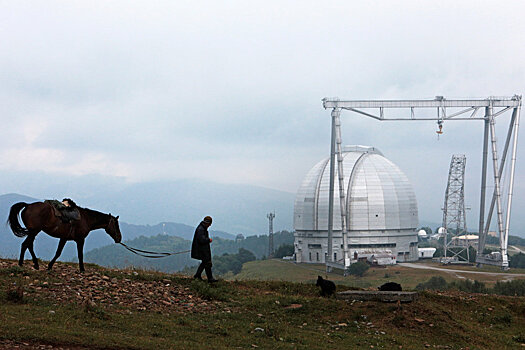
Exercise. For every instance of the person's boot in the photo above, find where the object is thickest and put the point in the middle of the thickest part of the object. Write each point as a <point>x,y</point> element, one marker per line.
<point>210,275</point>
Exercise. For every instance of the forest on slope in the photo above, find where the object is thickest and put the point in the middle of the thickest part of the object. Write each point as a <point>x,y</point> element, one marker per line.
<point>117,256</point>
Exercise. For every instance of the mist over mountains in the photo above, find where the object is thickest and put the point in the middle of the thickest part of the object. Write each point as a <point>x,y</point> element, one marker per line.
<point>234,208</point>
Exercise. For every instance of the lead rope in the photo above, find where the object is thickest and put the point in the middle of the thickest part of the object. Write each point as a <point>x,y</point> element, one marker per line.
<point>153,255</point>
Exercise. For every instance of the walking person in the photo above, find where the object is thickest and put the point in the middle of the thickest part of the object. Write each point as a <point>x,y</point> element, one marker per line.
<point>200,249</point>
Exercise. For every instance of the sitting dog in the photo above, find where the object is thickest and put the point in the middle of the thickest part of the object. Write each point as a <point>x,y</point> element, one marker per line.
<point>390,287</point>
<point>327,287</point>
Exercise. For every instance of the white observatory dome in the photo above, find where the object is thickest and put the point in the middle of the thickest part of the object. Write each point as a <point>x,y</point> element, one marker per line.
<point>378,194</point>
<point>422,233</point>
<point>381,206</point>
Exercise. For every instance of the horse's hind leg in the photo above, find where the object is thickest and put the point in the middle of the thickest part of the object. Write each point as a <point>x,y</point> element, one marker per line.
<point>61,245</point>
<point>28,244</point>
<point>80,252</point>
<point>23,252</point>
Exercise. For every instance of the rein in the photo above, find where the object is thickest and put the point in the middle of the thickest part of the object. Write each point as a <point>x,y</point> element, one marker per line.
<point>153,255</point>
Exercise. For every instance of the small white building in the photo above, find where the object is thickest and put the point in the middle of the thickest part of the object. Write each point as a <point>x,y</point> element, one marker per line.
<point>426,253</point>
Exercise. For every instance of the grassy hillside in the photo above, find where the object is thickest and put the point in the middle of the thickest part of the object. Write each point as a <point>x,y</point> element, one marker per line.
<point>409,278</point>
<point>127,309</point>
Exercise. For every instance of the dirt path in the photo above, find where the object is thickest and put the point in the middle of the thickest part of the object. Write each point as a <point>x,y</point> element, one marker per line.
<point>504,275</point>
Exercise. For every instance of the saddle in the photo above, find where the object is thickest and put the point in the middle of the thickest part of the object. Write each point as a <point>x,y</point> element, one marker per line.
<point>66,214</point>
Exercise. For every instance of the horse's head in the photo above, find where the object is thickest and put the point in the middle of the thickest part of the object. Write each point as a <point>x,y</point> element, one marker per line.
<point>113,229</point>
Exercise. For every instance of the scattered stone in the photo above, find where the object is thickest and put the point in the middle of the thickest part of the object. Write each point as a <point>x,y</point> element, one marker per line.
<point>96,286</point>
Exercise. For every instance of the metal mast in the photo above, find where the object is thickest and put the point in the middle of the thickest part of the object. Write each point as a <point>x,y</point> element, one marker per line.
<point>336,150</point>
<point>270,217</point>
<point>457,109</point>
<point>454,221</point>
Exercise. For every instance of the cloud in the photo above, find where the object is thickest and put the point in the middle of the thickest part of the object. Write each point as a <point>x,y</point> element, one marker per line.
<point>231,92</point>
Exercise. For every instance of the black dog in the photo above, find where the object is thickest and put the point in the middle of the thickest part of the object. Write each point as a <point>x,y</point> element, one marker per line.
<point>327,287</point>
<point>390,287</point>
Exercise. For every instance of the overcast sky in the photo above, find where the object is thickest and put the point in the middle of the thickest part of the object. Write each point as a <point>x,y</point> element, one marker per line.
<point>230,91</point>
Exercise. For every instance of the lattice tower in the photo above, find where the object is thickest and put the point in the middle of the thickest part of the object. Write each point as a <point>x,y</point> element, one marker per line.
<point>454,220</point>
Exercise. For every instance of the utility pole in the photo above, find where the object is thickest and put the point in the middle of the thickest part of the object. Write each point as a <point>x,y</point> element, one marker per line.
<point>270,217</point>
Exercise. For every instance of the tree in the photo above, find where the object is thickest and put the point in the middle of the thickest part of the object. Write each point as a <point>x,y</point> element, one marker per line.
<point>358,269</point>
<point>244,255</point>
<point>232,262</point>
<point>517,261</point>
<point>284,250</point>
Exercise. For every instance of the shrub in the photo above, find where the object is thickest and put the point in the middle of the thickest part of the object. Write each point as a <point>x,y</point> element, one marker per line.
<point>434,283</point>
<point>515,287</point>
<point>358,269</point>
<point>468,286</point>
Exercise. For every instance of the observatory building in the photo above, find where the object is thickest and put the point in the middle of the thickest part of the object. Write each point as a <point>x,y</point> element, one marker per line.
<point>382,215</point>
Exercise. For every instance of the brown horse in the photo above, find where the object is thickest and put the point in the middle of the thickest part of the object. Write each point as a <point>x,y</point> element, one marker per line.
<point>39,216</point>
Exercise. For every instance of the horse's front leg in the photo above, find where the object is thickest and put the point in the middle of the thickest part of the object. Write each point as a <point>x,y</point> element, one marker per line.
<point>61,245</point>
<point>80,253</point>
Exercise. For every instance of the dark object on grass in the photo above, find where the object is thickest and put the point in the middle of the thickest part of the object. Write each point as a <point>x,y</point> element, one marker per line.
<point>390,287</point>
<point>327,287</point>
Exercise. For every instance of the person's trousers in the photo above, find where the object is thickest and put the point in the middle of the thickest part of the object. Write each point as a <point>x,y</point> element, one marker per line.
<point>206,266</point>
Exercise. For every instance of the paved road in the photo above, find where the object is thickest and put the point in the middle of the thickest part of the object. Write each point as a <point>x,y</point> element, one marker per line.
<point>498,274</point>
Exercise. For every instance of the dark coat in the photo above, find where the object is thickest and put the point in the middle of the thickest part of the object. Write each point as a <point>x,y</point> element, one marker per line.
<point>200,247</point>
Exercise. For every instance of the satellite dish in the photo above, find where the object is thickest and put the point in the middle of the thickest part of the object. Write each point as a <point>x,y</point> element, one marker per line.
<point>422,233</point>
<point>442,230</point>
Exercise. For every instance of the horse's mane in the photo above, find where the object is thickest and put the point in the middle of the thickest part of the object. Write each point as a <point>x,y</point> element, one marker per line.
<point>93,212</point>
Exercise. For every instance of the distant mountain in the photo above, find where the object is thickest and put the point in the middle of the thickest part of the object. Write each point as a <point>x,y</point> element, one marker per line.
<point>130,231</point>
<point>234,208</point>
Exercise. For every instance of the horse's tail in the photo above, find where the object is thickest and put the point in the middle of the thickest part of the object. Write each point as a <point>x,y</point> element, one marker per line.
<point>13,221</point>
